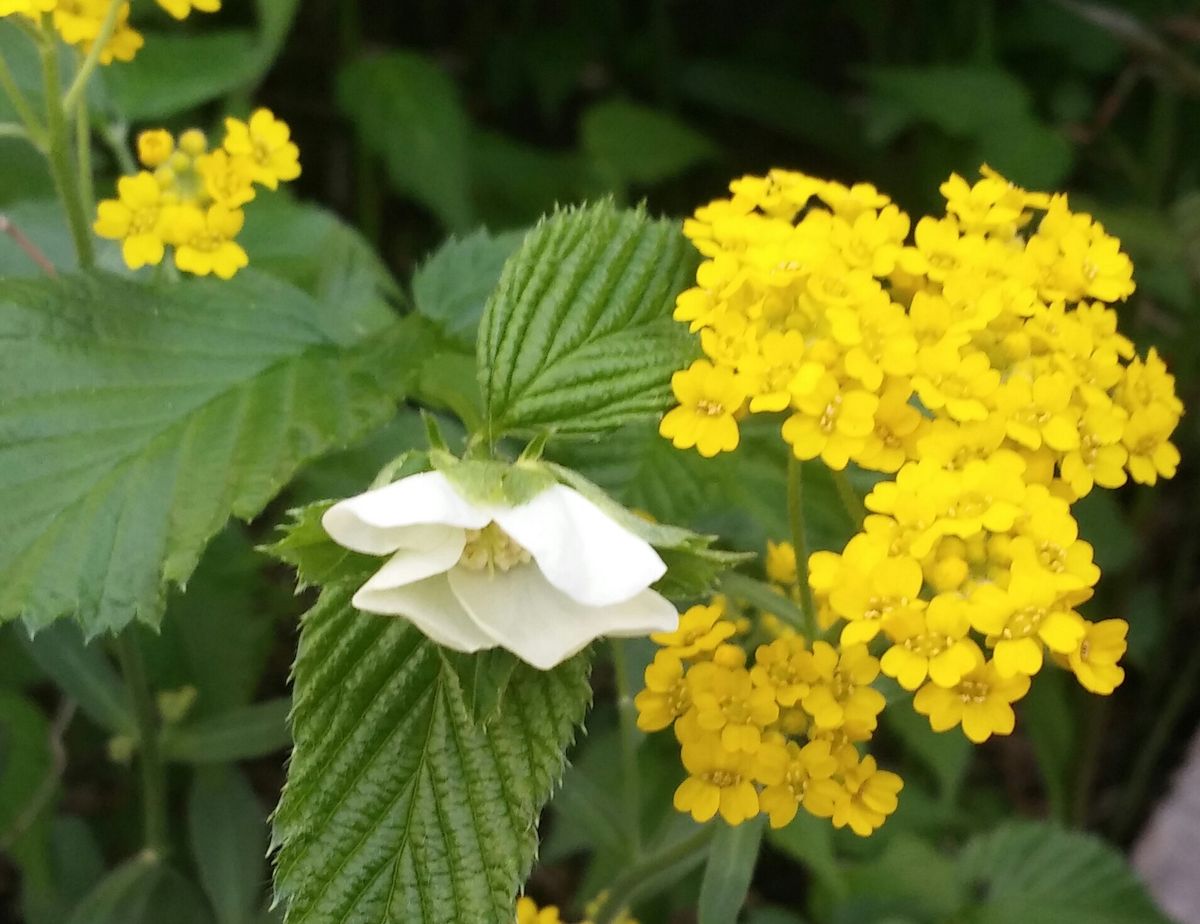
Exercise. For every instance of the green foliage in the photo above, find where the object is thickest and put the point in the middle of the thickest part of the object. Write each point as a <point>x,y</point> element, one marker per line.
<point>730,867</point>
<point>257,384</point>
<point>237,734</point>
<point>1030,873</point>
<point>84,672</point>
<point>638,145</point>
<point>398,806</point>
<point>228,833</point>
<point>407,111</point>
<point>578,336</point>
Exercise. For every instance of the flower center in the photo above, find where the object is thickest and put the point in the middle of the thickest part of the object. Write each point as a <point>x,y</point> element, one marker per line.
<point>492,549</point>
<point>710,408</point>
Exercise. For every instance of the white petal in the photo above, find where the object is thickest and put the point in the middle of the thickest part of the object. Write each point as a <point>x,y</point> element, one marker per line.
<point>410,565</point>
<point>540,624</point>
<point>432,608</point>
<point>582,551</point>
<point>392,517</point>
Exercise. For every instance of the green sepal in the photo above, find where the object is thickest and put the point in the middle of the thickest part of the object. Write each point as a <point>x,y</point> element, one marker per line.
<point>491,482</point>
<point>318,560</point>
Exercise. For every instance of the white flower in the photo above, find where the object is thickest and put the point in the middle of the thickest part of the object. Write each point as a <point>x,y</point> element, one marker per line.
<point>542,579</point>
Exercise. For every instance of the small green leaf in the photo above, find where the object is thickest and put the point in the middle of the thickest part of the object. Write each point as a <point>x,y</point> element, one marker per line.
<point>730,868</point>
<point>487,482</point>
<point>239,734</point>
<point>636,144</point>
<point>85,673</point>
<point>452,286</point>
<point>947,756</point>
<point>319,560</point>
<point>228,832</point>
<point>138,419</point>
<point>578,336</point>
<point>1037,873</point>
<point>809,841</point>
<point>398,808</point>
<point>408,112</point>
<point>25,762</point>
<point>142,890</point>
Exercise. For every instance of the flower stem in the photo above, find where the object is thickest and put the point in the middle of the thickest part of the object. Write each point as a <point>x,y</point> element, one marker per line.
<point>627,715</point>
<point>849,498</point>
<point>795,506</point>
<point>31,249</point>
<point>83,153</point>
<point>154,778</point>
<point>640,878</point>
<point>79,84</point>
<point>33,128</point>
<point>59,153</point>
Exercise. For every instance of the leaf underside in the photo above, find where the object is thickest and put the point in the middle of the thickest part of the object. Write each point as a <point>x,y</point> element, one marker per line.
<point>398,807</point>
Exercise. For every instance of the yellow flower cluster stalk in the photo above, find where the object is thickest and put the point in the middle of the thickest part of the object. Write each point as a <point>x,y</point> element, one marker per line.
<point>191,198</point>
<point>976,361</point>
<point>771,736</point>
<point>83,22</point>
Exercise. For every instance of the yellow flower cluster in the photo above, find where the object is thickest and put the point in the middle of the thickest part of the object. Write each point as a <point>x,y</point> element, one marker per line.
<point>986,329</point>
<point>191,198</point>
<point>528,912</point>
<point>772,736</point>
<point>81,22</point>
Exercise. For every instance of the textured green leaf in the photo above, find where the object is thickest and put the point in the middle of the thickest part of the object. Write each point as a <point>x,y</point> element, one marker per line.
<point>136,420</point>
<point>85,673</point>
<point>1035,873</point>
<point>730,867</point>
<point>482,678</point>
<point>397,807</point>
<point>637,144</point>
<point>578,336</point>
<point>239,734</point>
<point>319,560</point>
<point>408,112</point>
<point>451,287</point>
<point>228,832</point>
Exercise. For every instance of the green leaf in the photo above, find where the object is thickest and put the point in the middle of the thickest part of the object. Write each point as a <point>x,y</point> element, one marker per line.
<point>397,807</point>
<point>142,890</point>
<point>239,734</point>
<point>482,679</point>
<point>315,251</point>
<point>1052,727</point>
<point>74,864</point>
<point>451,287</point>
<point>137,419</point>
<point>85,673</point>
<point>164,78</point>
<point>228,832</point>
<point>1036,873</point>
<point>911,879</point>
<point>319,560</point>
<point>730,868</point>
<point>408,112</point>
<point>636,144</point>
<point>578,336</point>
<point>25,763</point>
<point>45,224</point>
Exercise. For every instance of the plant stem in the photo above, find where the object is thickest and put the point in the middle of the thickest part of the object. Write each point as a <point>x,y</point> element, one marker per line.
<point>629,886</point>
<point>627,715</point>
<point>154,778</point>
<point>795,506</point>
<point>79,84</point>
<point>59,153</point>
<point>83,152</point>
<point>31,249</point>
<point>849,498</point>
<point>33,128</point>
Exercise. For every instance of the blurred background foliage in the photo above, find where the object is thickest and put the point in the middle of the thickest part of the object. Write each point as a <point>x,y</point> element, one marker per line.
<point>430,119</point>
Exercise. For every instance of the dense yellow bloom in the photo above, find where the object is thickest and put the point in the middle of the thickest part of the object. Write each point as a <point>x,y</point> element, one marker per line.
<point>135,218</point>
<point>78,22</point>
<point>727,703</point>
<point>1095,659</point>
<point>981,702</point>
<point>28,7</point>
<point>870,795</point>
<point>781,563</point>
<point>718,781</point>
<point>181,8</point>
<point>709,397</point>
<point>840,694</point>
<point>266,142</point>
<point>1019,620</point>
<point>701,629</point>
<point>797,776</point>
<point>932,643</point>
<point>665,696</point>
<point>529,913</point>
<point>192,201</point>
